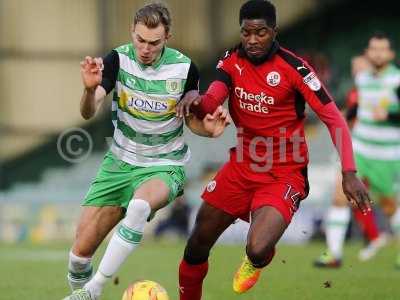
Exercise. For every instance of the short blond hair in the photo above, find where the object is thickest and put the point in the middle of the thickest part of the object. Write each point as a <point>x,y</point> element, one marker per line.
<point>152,15</point>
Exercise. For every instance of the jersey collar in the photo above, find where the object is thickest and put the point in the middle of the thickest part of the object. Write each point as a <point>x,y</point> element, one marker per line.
<point>156,65</point>
<point>271,53</point>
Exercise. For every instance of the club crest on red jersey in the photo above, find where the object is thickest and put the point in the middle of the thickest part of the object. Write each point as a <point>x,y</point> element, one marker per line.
<point>273,78</point>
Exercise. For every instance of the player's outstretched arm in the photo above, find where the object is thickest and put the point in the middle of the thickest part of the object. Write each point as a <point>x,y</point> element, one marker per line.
<point>212,125</point>
<point>323,105</point>
<point>93,95</point>
<point>353,188</point>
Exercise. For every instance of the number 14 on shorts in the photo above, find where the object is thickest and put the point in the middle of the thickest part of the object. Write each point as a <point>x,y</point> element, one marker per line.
<point>293,197</point>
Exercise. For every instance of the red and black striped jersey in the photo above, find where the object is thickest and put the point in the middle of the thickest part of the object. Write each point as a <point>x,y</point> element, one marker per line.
<point>267,104</point>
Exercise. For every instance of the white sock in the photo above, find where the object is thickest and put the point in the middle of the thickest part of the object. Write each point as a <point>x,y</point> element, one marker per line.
<point>124,240</point>
<point>79,271</point>
<point>395,223</point>
<point>336,223</point>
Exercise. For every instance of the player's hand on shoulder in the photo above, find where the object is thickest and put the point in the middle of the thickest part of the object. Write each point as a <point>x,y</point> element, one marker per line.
<point>215,124</point>
<point>91,71</point>
<point>356,192</point>
<point>183,107</point>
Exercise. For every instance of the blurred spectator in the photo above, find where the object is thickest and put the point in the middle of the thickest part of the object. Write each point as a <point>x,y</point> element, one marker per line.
<point>177,221</point>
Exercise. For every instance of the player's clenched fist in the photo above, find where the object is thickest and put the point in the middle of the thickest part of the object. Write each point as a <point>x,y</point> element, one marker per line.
<point>91,71</point>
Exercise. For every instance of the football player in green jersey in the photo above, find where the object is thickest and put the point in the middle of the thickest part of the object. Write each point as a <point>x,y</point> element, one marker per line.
<point>143,171</point>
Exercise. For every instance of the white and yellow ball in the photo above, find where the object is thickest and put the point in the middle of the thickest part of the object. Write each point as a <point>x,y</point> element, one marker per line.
<point>145,290</point>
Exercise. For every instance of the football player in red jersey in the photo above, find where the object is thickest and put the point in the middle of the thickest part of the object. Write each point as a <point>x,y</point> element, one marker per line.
<point>266,176</point>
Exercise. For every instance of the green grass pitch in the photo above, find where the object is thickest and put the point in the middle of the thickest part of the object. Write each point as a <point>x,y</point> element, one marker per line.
<point>38,272</point>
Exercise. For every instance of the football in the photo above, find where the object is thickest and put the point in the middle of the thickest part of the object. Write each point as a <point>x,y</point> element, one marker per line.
<point>145,290</point>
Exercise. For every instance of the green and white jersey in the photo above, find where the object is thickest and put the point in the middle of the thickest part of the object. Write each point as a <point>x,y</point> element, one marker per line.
<point>377,139</point>
<point>147,132</point>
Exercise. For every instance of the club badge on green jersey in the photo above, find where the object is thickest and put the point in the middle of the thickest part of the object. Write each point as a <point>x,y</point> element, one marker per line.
<point>173,86</point>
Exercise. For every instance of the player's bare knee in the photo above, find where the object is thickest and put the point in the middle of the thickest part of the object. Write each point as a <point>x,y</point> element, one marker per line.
<point>155,192</point>
<point>259,253</point>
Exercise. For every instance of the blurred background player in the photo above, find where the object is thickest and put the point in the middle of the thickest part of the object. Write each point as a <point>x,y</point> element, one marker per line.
<point>376,133</point>
<point>267,87</point>
<point>143,171</point>
<point>373,107</point>
<point>338,215</point>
